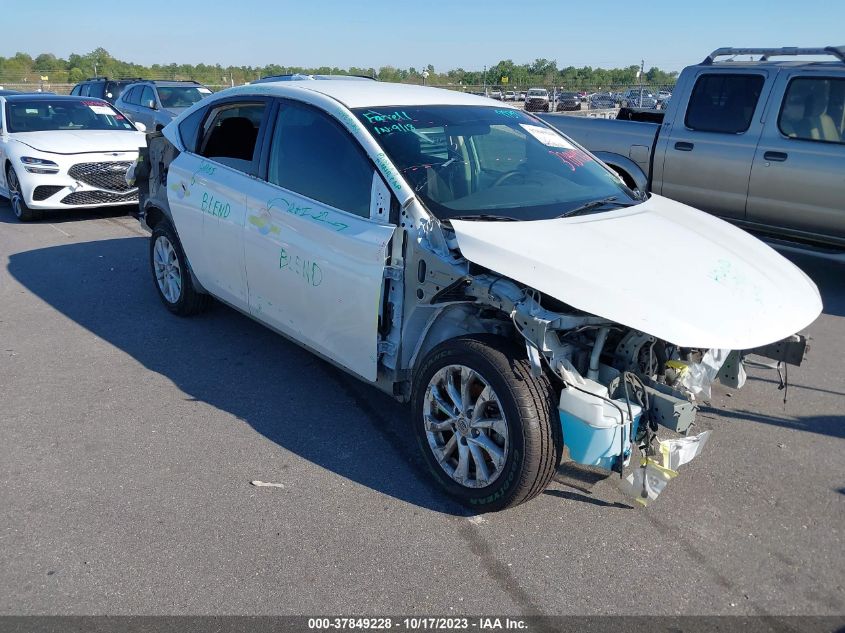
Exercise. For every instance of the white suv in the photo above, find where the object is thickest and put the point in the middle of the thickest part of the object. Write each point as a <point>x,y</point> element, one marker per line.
<point>459,254</point>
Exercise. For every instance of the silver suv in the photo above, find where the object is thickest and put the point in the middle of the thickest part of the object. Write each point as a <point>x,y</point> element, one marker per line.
<point>156,103</point>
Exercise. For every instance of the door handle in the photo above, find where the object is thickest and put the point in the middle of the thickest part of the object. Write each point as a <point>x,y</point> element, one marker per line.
<point>684,146</point>
<point>776,156</point>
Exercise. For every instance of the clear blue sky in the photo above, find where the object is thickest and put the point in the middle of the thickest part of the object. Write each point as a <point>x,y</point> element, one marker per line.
<point>454,34</point>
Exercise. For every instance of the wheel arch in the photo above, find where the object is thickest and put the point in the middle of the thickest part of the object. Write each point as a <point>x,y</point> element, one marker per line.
<point>453,321</point>
<point>628,170</point>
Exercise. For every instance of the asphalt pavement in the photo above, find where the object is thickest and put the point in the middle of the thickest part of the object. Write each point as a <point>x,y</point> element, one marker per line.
<point>130,437</point>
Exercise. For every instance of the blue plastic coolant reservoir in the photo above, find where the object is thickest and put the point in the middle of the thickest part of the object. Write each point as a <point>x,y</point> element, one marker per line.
<point>593,430</point>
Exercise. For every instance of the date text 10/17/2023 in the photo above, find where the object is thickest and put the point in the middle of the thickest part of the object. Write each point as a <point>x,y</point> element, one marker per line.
<point>419,623</point>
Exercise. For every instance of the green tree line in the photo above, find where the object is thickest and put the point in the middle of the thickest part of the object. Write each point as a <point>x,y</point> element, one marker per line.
<point>23,68</point>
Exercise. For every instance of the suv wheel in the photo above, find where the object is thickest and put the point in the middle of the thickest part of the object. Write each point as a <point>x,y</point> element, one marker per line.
<point>170,273</point>
<point>487,427</point>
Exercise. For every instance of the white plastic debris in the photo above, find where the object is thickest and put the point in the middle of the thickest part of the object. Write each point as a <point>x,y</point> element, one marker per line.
<point>646,482</point>
<point>683,450</point>
<point>264,484</point>
<point>699,376</point>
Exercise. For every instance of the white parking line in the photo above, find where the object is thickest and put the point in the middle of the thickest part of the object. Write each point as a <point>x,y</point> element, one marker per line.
<point>60,231</point>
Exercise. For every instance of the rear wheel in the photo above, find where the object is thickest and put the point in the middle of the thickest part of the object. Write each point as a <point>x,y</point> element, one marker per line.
<point>19,208</point>
<point>485,424</point>
<point>171,275</point>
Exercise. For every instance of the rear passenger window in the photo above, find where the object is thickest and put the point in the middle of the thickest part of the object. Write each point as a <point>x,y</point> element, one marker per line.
<point>189,129</point>
<point>85,90</point>
<point>723,103</point>
<point>134,96</point>
<point>814,110</point>
<point>311,154</point>
<point>230,134</point>
<point>75,90</point>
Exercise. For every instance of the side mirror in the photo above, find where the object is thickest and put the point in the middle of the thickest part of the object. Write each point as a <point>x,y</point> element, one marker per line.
<point>140,126</point>
<point>151,105</point>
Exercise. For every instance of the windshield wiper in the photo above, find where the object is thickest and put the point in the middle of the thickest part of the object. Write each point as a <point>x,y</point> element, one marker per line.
<point>483,216</point>
<point>595,204</point>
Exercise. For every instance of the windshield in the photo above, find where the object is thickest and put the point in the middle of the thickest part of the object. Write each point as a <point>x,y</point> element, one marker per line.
<point>482,161</point>
<point>537,93</point>
<point>63,114</point>
<point>180,96</point>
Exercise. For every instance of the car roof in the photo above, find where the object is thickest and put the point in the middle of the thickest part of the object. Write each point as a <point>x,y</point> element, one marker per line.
<point>776,63</point>
<point>49,96</point>
<point>164,82</point>
<point>367,94</point>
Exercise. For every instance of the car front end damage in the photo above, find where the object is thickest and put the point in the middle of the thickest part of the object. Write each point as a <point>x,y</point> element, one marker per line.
<point>648,386</point>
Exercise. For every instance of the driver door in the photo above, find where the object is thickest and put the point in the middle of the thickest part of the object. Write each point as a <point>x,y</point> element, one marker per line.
<point>315,260</point>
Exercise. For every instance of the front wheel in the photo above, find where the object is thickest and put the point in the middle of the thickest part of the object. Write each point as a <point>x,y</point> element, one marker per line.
<point>19,207</point>
<point>485,424</point>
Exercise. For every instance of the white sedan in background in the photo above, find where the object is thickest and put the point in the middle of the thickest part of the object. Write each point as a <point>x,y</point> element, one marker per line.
<point>62,152</point>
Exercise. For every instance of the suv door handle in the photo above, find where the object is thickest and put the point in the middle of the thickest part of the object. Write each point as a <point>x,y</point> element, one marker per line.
<point>684,146</point>
<point>776,156</point>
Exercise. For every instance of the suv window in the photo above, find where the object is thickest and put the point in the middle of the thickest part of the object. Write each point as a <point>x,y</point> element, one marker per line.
<point>723,103</point>
<point>230,134</point>
<point>147,97</point>
<point>311,154</point>
<point>128,96</point>
<point>814,110</point>
<point>76,89</point>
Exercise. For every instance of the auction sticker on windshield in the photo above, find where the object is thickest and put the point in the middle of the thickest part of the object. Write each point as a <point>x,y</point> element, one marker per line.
<point>546,136</point>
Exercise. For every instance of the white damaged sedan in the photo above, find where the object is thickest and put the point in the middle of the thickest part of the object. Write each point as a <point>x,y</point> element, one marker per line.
<point>465,257</point>
<point>61,152</point>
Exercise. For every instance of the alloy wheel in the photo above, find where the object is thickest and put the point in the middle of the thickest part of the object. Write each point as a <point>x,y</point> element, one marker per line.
<point>465,426</point>
<point>168,272</point>
<point>15,198</point>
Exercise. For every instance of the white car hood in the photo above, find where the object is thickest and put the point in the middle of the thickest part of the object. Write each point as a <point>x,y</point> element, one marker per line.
<point>82,141</point>
<point>660,267</point>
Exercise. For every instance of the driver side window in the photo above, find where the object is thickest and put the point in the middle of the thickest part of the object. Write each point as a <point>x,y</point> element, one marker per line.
<point>312,155</point>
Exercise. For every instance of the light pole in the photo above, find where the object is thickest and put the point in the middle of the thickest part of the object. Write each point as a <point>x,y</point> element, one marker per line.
<point>642,67</point>
<point>485,80</point>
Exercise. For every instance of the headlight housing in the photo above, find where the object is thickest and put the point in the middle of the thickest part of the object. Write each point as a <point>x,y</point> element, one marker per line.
<point>39,165</point>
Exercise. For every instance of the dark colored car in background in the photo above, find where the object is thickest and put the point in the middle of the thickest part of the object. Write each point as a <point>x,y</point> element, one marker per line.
<point>568,101</point>
<point>603,100</point>
<point>102,87</point>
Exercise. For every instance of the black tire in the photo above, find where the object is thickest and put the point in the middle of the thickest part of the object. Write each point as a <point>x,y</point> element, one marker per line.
<point>19,208</point>
<point>187,301</point>
<point>535,441</point>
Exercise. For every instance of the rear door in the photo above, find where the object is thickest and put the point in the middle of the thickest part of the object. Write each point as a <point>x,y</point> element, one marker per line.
<point>207,192</point>
<point>315,244</point>
<point>145,112</point>
<point>797,182</point>
<point>708,153</point>
<point>130,101</point>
